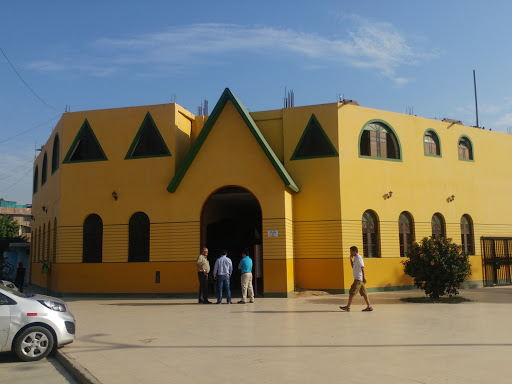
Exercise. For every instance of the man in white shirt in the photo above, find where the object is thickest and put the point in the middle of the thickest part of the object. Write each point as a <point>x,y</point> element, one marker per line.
<point>359,281</point>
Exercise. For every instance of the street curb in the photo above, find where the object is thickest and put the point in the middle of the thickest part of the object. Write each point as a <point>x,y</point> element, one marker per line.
<point>78,371</point>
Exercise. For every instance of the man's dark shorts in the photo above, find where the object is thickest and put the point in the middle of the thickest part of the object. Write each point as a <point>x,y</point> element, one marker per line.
<point>357,286</point>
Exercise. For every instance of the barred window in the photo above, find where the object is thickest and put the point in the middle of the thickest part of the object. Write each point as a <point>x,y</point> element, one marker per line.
<point>379,140</point>
<point>370,234</point>
<point>466,232</point>
<point>406,231</point>
<point>438,226</point>
<point>431,144</point>
<point>465,149</point>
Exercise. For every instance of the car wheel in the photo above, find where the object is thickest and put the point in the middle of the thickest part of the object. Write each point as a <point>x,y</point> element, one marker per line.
<point>34,343</point>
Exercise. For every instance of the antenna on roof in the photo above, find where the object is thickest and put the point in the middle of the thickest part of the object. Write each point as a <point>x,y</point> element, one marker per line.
<point>409,110</point>
<point>289,98</point>
<point>476,101</point>
<point>202,110</point>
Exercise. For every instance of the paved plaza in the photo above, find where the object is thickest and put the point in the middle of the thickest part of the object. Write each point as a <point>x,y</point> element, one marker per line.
<point>305,339</point>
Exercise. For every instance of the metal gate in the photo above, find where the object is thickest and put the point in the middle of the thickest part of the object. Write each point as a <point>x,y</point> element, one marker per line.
<point>497,255</point>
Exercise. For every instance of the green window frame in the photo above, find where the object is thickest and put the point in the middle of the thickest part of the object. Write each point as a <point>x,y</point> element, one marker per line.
<point>56,153</point>
<point>431,143</point>
<point>378,140</point>
<point>465,149</point>
<point>371,234</point>
<point>467,235</point>
<point>44,170</point>
<point>35,180</point>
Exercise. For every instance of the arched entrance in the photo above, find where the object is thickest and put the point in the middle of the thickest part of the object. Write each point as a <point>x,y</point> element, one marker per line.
<point>231,220</point>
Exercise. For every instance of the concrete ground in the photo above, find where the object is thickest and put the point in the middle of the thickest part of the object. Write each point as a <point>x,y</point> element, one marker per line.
<point>47,370</point>
<point>306,339</point>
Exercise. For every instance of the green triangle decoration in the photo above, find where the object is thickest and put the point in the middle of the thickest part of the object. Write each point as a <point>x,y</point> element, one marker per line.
<point>85,147</point>
<point>148,142</point>
<point>314,143</point>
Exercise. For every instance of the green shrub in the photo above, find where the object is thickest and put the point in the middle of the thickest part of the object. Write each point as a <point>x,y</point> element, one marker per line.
<point>437,266</point>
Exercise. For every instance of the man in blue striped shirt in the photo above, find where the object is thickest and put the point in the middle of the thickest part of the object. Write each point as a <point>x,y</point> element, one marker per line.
<point>222,272</point>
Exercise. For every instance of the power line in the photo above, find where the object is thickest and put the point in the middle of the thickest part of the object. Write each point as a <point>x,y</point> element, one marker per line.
<point>24,82</point>
<point>28,130</point>
<point>19,168</point>
<point>16,182</point>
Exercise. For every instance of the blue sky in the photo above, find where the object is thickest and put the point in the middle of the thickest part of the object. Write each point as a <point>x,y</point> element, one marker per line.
<point>390,55</point>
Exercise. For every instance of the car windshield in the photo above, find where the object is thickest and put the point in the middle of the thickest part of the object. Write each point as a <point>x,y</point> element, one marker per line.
<point>13,291</point>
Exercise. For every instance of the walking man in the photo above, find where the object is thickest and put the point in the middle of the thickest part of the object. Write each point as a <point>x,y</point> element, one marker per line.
<point>222,272</point>
<point>203,268</point>
<point>245,268</point>
<point>359,281</point>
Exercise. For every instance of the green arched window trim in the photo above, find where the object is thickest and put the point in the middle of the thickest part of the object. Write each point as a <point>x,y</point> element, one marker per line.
<point>388,126</point>
<point>35,180</point>
<point>472,148</point>
<point>438,142</point>
<point>56,153</point>
<point>44,169</point>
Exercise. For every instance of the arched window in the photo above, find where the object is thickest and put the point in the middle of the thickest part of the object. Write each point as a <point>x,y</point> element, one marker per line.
<point>36,178</point>
<point>92,239</point>
<point>379,140</point>
<point>39,256</point>
<point>370,234</point>
<point>56,153</point>
<point>138,250</point>
<point>44,170</point>
<point>54,254</point>
<point>406,231</point>
<point>33,246</point>
<point>438,227</point>
<point>48,241</point>
<point>431,144</point>
<point>466,232</point>
<point>465,149</point>
<point>43,238</point>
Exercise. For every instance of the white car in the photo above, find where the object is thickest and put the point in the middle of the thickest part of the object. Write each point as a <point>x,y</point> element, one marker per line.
<point>8,284</point>
<point>31,326</point>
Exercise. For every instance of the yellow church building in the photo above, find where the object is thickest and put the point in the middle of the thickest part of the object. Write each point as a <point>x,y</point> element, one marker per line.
<point>124,199</point>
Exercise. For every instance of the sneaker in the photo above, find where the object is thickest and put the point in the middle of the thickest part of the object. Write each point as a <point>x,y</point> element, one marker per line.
<point>345,308</point>
<point>251,301</point>
<point>368,309</point>
<point>207,302</point>
<point>241,302</point>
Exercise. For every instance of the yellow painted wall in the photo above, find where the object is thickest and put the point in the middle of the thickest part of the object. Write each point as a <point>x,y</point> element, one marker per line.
<point>316,226</point>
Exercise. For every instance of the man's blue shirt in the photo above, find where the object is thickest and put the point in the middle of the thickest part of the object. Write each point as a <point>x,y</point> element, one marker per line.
<point>245,264</point>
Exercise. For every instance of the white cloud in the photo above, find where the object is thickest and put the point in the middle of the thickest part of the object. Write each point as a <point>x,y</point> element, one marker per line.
<point>503,122</point>
<point>369,46</point>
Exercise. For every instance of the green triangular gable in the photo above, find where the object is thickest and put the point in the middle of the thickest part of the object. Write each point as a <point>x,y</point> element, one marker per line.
<point>85,147</point>
<point>148,141</point>
<point>196,146</point>
<point>314,142</point>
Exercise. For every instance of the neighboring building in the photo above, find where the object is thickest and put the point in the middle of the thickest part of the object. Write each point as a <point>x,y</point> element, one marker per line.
<point>124,199</point>
<point>22,214</point>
